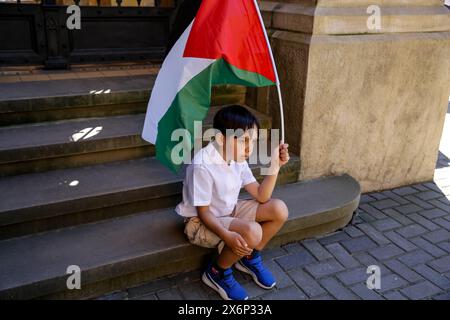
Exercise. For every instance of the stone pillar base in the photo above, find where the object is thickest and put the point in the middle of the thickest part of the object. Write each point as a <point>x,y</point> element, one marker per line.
<point>370,103</point>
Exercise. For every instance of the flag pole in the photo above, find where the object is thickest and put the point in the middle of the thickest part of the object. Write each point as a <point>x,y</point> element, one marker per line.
<point>275,69</point>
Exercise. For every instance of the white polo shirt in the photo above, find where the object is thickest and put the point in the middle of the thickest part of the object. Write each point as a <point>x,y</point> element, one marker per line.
<point>211,181</point>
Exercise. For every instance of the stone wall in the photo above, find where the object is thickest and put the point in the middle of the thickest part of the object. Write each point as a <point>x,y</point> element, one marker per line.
<point>370,103</point>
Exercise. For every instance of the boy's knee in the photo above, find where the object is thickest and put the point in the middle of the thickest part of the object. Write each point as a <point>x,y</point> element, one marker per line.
<point>280,209</point>
<point>253,234</point>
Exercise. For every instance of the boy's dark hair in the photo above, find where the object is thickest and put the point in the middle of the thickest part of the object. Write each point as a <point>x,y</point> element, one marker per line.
<point>234,117</point>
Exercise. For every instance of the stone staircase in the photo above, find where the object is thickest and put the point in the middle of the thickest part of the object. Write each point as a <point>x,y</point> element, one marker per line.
<point>80,187</point>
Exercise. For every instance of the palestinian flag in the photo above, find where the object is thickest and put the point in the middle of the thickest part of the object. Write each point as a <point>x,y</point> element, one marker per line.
<point>226,43</point>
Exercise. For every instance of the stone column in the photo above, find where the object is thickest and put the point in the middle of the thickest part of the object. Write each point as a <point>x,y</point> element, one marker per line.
<point>367,102</point>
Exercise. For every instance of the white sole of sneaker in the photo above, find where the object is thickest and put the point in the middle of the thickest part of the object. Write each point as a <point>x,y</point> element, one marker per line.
<point>238,265</point>
<point>213,285</point>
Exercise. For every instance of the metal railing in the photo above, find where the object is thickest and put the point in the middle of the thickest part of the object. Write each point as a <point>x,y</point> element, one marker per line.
<point>99,3</point>
<point>36,32</point>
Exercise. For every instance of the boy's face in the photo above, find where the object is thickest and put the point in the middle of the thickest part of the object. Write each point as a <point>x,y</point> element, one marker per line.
<point>240,147</point>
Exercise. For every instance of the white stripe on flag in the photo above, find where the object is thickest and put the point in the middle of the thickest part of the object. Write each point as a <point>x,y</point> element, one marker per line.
<point>175,73</point>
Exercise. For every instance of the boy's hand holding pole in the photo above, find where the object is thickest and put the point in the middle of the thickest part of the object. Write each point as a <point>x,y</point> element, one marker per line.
<point>280,156</point>
<point>283,154</point>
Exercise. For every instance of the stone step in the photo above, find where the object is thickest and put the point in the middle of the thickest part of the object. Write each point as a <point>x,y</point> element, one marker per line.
<point>39,202</point>
<point>62,144</point>
<point>38,101</point>
<point>122,252</point>
<point>52,100</point>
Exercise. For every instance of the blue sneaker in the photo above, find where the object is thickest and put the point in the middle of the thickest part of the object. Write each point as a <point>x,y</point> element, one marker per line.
<point>253,265</point>
<point>227,287</point>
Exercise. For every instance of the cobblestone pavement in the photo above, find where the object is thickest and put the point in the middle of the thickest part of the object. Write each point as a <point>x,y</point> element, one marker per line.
<point>405,231</point>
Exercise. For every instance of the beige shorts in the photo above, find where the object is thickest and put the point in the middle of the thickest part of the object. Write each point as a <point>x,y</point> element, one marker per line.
<point>198,234</point>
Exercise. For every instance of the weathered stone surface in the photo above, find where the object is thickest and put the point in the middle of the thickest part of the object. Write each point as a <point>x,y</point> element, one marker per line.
<point>367,87</point>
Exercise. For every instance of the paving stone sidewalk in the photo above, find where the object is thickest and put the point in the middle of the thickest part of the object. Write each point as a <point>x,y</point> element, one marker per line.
<point>404,231</point>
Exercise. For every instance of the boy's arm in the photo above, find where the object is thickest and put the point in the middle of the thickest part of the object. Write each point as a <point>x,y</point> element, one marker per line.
<point>232,239</point>
<point>211,222</point>
<point>263,192</point>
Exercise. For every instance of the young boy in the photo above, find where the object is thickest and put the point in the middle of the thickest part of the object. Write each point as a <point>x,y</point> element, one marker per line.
<point>214,217</point>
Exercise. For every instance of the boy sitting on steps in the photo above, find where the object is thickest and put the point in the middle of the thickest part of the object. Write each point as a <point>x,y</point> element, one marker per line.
<point>215,217</point>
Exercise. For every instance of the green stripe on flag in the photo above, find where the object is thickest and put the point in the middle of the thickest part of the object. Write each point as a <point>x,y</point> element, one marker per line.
<point>193,101</point>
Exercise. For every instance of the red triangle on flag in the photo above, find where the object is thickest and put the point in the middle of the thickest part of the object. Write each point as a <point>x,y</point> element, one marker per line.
<point>232,30</point>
